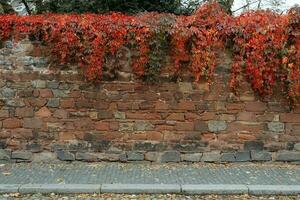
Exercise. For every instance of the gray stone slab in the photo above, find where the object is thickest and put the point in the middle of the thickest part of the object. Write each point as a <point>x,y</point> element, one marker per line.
<point>221,189</point>
<point>60,188</point>
<point>141,188</point>
<point>9,188</point>
<point>274,189</point>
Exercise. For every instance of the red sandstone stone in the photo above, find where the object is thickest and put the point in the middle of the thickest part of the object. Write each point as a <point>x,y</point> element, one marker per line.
<point>176,116</point>
<point>43,112</point>
<point>67,103</point>
<point>290,117</point>
<point>256,106</point>
<point>186,105</point>
<point>64,136</point>
<point>184,126</point>
<point>46,93</point>
<point>102,126</point>
<point>246,116</point>
<point>24,112</point>
<point>12,123</point>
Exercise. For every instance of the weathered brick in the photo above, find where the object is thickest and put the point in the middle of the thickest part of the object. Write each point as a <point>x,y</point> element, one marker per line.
<point>65,136</point>
<point>186,105</point>
<point>126,127</point>
<point>12,123</point>
<point>32,123</point>
<point>119,115</point>
<point>67,103</point>
<point>256,106</point>
<point>184,126</point>
<point>43,112</point>
<point>246,116</point>
<point>160,105</point>
<point>4,113</point>
<point>61,114</point>
<point>290,117</point>
<point>102,126</point>
<point>176,116</point>
<point>201,126</point>
<point>185,87</point>
<point>24,112</point>
<point>45,93</point>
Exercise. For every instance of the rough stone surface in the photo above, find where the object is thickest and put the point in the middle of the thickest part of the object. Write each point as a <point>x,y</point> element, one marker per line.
<point>297,146</point>
<point>211,157</point>
<point>217,126</point>
<point>276,126</point>
<point>253,145</point>
<point>191,157</point>
<point>227,157</point>
<point>21,155</point>
<point>170,156</point>
<point>42,108</point>
<point>288,156</point>
<point>261,156</point>
<point>5,154</point>
<point>85,156</point>
<point>135,156</point>
<point>242,156</point>
<point>65,155</point>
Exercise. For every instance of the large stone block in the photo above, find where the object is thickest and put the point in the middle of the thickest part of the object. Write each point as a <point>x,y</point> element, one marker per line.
<point>217,126</point>
<point>170,156</point>
<point>288,156</point>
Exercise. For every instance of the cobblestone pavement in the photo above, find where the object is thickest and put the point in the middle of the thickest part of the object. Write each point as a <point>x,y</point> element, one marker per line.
<point>142,197</point>
<point>133,173</point>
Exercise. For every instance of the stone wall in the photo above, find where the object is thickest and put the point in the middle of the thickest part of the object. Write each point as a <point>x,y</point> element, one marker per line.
<point>48,114</point>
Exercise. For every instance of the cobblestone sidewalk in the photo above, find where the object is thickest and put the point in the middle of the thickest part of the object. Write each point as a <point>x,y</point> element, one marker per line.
<point>145,178</point>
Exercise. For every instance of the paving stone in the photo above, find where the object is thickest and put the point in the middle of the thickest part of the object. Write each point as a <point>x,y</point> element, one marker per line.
<point>9,188</point>
<point>242,156</point>
<point>65,155</point>
<point>214,189</point>
<point>227,157</point>
<point>253,145</point>
<point>21,155</point>
<point>288,156</point>
<point>211,157</point>
<point>191,157</point>
<point>170,156</point>
<point>60,188</point>
<point>261,156</point>
<point>217,126</point>
<point>135,156</point>
<point>5,154</point>
<point>276,126</point>
<point>141,188</point>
